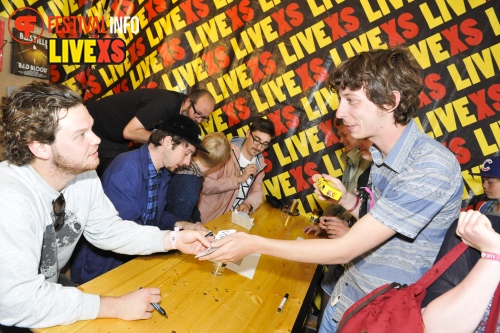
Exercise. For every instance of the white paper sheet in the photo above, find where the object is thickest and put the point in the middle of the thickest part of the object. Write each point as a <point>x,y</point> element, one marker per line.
<point>246,266</point>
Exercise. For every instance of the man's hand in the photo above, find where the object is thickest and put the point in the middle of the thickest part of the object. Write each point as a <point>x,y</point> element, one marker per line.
<point>132,306</point>
<point>475,230</point>
<point>336,229</point>
<point>334,181</point>
<point>333,226</point>
<point>244,208</point>
<point>250,170</point>
<point>316,229</point>
<point>231,248</point>
<point>347,200</point>
<point>188,241</point>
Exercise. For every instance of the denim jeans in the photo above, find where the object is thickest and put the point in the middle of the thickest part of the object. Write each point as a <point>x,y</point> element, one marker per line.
<point>328,325</point>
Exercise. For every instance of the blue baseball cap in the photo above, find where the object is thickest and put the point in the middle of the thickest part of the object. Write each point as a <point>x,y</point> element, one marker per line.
<point>490,168</point>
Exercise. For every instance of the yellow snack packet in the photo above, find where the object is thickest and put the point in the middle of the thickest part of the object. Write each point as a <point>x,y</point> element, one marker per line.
<point>327,189</point>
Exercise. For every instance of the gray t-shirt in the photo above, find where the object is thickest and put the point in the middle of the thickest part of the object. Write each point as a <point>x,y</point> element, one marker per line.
<point>32,253</point>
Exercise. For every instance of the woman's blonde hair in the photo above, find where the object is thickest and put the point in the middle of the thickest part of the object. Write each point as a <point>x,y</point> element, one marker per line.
<point>219,148</point>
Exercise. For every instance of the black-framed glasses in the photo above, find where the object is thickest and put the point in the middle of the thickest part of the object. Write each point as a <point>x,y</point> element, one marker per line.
<point>58,207</point>
<point>197,114</point>
<point>258,142</point>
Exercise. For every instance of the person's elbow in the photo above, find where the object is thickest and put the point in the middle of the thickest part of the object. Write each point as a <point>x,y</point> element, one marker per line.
<point>340,259</point>
<point>129,134</point>
<point>344,256</point>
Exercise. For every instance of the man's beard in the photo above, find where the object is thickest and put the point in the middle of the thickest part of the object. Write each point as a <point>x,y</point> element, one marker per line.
<point>62,164</point>
<point>174,169</point>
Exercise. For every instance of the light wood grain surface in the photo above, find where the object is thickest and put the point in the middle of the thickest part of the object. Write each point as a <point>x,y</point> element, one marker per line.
<point>197,301</point>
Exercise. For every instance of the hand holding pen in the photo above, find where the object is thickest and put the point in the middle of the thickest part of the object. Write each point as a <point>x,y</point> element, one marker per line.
<point>158,308</point>
<point>248,172</point>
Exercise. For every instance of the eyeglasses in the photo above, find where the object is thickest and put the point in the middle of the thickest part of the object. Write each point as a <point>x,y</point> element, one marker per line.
<point>257,142</point>
<point>197,114</point>
<point>490,180</point>
<point>58,207</point>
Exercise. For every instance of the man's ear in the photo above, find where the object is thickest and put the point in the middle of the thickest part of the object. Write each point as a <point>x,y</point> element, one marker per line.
<point>42,151</point>
<point>397,98</point>
<point>166,142</point>
<point>186,104</point>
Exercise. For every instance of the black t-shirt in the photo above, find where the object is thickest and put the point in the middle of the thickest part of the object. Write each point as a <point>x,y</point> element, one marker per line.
<point>460,268</point>
<point>112,113</point>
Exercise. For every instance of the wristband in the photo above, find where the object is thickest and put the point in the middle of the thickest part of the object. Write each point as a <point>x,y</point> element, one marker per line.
<point>491,256</point>
<point>173,239</point>
<point>355,205</point>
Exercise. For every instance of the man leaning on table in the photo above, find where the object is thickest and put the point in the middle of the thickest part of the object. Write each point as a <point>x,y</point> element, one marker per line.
<point>137,183</point>
<point>131,115</point>
<point>416,182</point>
<point>50,196</point>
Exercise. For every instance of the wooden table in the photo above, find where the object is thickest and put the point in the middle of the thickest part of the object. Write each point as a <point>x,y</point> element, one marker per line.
<point>197,301</point>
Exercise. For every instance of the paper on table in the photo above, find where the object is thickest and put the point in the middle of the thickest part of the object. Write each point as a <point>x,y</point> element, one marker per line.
<point>245,266</point>
<point>242,219</point>
<point>248,265</point>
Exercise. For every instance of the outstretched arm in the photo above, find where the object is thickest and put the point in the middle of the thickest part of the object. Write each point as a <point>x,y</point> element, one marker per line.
<point>366,234</point>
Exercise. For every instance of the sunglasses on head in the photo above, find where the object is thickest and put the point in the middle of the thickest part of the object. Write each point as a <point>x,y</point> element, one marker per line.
<point>58,206</point>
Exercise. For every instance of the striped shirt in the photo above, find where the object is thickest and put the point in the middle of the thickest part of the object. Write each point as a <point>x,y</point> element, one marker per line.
<point>417,189</point>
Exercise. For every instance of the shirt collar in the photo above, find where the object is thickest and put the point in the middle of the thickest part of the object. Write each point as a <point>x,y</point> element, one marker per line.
<point>401,150</point>
<point>152,173</point>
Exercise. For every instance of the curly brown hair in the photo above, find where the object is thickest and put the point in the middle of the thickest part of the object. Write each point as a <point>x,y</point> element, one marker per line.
<point>380,72</point>
<point>32,113</point>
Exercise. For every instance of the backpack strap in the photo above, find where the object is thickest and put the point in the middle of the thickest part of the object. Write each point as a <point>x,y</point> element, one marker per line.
<point>491,325</point>
<point>442,265</point>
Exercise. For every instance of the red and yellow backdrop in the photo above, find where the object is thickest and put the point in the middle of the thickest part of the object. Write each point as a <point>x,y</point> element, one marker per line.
<point>271,58</point>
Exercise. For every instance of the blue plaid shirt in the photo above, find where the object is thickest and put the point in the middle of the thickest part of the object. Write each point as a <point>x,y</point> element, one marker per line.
<point>150,211</point>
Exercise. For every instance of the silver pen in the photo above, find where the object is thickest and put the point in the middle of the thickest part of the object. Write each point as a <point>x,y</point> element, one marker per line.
<point>282,304</point>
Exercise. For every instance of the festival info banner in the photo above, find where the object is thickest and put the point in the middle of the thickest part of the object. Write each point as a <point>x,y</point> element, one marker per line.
<point>270,58</point>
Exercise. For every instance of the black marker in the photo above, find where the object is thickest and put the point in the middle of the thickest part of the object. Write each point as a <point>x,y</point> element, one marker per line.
<point>282,304</point>
<point>158,308</point>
